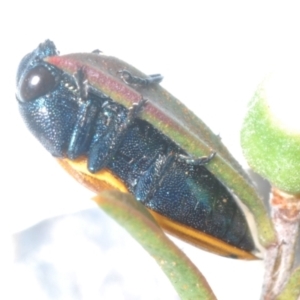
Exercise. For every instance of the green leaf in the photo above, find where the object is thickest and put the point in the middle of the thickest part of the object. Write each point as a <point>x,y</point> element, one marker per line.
<point>270,141</point>
<point>134,217</point>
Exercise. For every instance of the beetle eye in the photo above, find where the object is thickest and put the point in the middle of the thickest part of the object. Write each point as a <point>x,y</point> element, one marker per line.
<point>36,83</point>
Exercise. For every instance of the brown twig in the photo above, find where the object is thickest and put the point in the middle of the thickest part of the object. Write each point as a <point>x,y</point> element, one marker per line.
<point>279,258</point>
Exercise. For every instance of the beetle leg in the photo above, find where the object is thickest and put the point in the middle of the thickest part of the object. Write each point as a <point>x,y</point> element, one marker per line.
<point>82,133</point>
<point>128,78</point>
<point>196,161</point>
<point>87,112</point>
<point>134,111</point>
<point>150,181</point>
<point>82,84</point>
<point>107,142</point>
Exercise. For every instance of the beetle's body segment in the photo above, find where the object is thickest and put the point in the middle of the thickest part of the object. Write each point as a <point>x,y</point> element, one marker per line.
<point>73,124</point>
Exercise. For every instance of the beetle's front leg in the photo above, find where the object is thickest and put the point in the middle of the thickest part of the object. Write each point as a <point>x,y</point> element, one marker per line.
<point>111,128</point>
<point>87,112</point>
<point>82,132</point>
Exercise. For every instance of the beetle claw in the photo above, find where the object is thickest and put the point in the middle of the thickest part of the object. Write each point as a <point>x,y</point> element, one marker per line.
<point>97,51</point>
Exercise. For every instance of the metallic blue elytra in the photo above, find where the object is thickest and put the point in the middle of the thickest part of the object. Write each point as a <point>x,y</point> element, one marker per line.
<point>72,119</point>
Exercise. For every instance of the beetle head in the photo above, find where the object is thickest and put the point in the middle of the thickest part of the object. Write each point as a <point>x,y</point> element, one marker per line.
<point>47,99</point>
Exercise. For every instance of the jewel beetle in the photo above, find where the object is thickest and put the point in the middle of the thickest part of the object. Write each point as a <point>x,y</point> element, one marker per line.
<point>112,127</point>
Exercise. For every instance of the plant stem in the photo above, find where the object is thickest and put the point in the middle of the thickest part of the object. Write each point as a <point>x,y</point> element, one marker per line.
<point>279,258</point>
